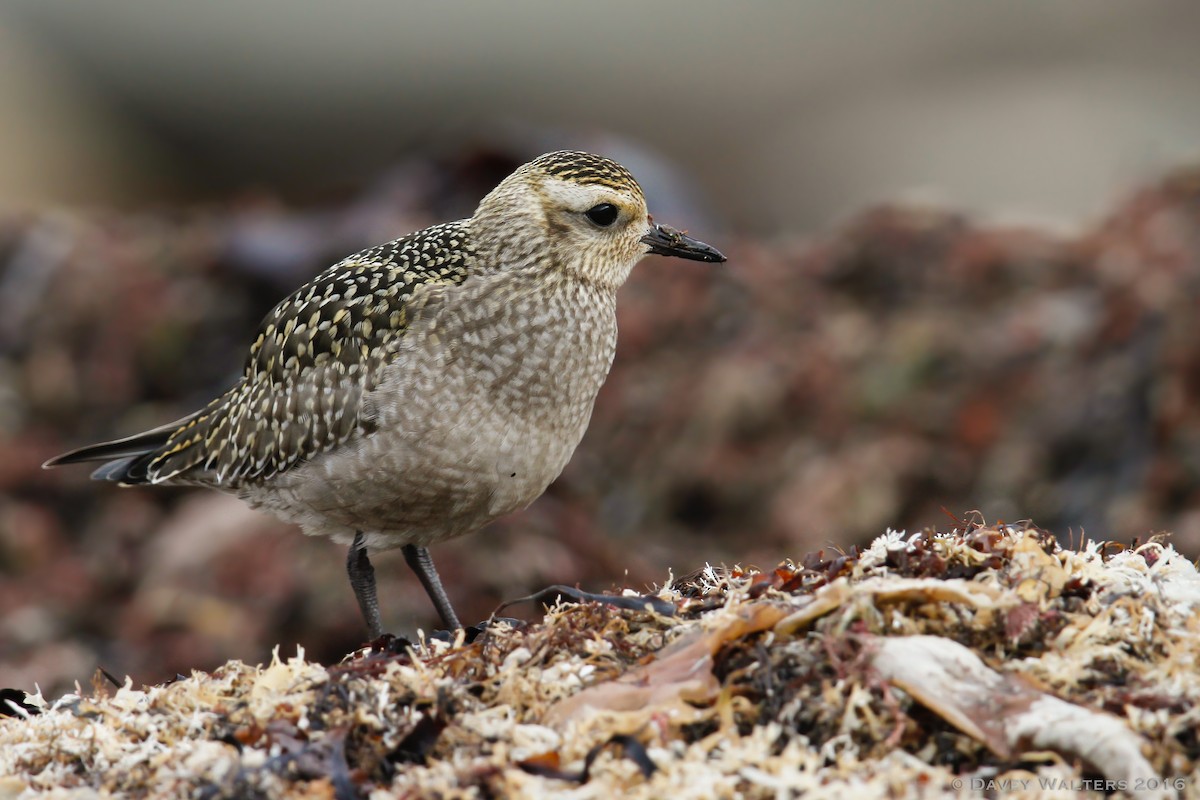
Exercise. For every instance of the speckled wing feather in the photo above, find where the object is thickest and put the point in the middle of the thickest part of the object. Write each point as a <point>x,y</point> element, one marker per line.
<point>316,355</point>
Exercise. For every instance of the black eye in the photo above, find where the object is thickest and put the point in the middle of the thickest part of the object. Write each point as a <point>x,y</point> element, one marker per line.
<point>603,215</point>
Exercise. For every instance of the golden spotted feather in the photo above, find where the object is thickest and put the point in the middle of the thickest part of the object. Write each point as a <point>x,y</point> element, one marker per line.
<point>318,353</point>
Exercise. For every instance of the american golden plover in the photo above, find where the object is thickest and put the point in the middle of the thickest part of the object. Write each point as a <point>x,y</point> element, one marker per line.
<point>420,389</point>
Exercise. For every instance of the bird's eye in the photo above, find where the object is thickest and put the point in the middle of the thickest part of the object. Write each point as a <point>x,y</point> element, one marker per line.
<point>604,214</point>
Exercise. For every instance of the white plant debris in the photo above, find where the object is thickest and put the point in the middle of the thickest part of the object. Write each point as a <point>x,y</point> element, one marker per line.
<point>935,664</point>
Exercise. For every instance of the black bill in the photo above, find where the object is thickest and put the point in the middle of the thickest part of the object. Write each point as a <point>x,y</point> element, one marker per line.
<point>666,241</point>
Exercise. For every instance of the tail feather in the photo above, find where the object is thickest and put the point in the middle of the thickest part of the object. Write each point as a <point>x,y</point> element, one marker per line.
<point>118,470</point>
<point>127,458</point>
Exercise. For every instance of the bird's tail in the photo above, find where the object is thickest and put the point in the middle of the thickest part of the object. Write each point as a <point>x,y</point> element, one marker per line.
<point>126,459</point>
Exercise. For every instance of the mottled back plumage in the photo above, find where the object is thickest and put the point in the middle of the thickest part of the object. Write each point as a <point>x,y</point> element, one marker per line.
<point>419,389</point>
<point>317,354</point>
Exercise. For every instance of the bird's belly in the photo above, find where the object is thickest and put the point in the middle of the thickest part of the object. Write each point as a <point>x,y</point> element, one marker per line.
<point>461,438</point>
<point>513,459</point>
<point>420,486</point>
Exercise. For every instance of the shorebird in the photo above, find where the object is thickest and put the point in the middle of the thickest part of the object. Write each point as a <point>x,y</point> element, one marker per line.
<point>418,390</point>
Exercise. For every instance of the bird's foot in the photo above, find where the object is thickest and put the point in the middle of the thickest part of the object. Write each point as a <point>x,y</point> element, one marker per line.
<point>473,632</point>
<point>394,645</point>
<point>559,593</point>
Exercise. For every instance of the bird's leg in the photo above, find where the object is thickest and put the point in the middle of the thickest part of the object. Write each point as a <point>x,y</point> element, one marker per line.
<point>362,580</point>
<point>420,562</point>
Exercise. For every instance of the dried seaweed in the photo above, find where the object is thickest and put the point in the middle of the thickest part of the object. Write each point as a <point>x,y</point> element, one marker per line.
<point>913,667</point>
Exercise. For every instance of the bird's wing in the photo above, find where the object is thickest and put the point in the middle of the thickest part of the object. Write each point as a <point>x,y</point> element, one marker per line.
<point>315,357</point>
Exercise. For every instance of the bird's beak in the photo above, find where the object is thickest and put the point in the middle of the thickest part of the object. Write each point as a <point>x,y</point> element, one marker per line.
<point>666,241</point>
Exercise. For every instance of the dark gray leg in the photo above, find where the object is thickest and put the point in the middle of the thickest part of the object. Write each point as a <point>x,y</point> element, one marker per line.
<point>421,563</point>
<point>362,581</point>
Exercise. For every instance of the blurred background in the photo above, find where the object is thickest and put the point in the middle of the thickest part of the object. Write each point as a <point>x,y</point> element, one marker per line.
<point>964,270</point>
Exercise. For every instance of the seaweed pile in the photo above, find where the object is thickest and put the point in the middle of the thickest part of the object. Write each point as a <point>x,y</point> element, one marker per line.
<point>975,658</point>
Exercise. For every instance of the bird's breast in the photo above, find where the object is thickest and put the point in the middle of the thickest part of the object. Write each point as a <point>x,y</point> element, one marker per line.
<point>481,408</point>
<point>495,390</point>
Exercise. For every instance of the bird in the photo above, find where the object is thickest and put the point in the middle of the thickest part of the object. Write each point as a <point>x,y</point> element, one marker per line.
<point>419,389</point>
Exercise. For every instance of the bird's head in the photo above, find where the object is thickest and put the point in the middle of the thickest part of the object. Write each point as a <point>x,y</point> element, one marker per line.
<point>580,213</point>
